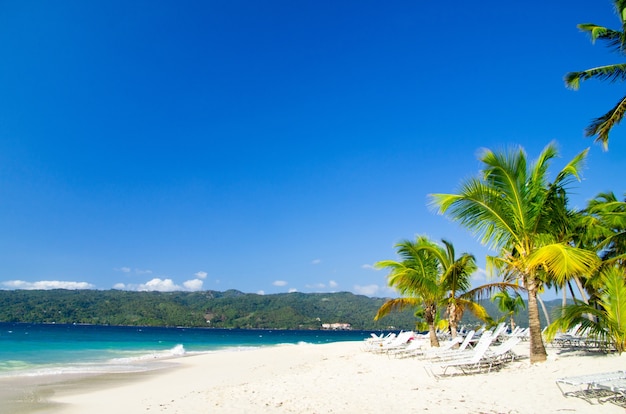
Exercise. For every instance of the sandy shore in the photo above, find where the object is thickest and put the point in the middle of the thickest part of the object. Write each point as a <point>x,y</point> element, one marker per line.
<point>332,378</point>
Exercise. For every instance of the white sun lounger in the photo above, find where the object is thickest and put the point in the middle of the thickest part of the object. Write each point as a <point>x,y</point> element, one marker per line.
<point>465,363</point>
<point>587,386</point>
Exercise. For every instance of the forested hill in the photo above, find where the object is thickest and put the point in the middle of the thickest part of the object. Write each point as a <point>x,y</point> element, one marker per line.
<point>230,309</point>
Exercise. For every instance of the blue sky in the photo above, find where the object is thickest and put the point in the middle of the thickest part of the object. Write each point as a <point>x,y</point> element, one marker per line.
<point>272,146</point>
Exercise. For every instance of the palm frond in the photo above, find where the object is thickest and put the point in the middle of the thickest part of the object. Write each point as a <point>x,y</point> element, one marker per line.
<point>608,320</point>
<point>485,291</point>
<point>612,73</point>
<point>398,304</point>
<point>561,261</point>
<point>571,170</point>
<point>600,127</point>
<point>481,210</point>
<point>614,39</point>
<point>475,309</point>
<point>613,300</point>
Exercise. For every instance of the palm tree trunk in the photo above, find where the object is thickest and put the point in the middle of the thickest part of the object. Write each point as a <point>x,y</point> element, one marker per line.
<point>571,290</point>
<point>452,319</point>
<point>434,342</point>
<point>583,295</point>
<point>430,314</point>
<point>537,349</point>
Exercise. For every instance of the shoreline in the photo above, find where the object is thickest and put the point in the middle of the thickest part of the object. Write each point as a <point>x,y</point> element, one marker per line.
<point>338,377</point>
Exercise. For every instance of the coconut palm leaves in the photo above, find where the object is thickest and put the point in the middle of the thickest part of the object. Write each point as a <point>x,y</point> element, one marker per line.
<point>615,40</point>
<point>509,305</point>
<point>603,225</point>
<point>415,277</point>
<point>514,209</point>
<point>431,276</point>
<point>608,321</point>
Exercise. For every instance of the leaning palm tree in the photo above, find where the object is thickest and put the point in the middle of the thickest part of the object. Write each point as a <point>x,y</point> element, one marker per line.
<point>609,313</point>
<point>415,277</point>
<point>616,40</point>
<point>513,209</point>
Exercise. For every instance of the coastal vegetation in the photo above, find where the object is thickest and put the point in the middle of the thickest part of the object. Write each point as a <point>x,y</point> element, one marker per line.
<point>514,209</point>
<point>431,279</point>
<point>229,309</point>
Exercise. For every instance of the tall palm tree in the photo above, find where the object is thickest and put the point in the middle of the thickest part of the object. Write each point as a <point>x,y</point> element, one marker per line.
<point>513,209</point>
<point>415,277</point>
<point>615,40</point>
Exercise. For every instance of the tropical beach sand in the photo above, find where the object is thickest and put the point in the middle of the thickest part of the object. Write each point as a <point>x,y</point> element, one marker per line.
<point>332,378</point>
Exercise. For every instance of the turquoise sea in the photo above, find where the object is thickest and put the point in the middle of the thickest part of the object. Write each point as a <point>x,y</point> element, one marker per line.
<point>51,349</point>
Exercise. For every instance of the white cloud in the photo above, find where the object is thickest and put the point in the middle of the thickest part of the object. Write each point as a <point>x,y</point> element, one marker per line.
<point>193,285</point>
<point>46,285</point>
<point>333,284</point>
<point>369,267</point>
<point>292,290</point>
<point>160,285</point>
<point>279,283</point>
<point>261,292</point>
<point>126,269</point>
<point>367,290</point>
<point>479,275</point>
<point>316,261</point>
<point>201,275</point>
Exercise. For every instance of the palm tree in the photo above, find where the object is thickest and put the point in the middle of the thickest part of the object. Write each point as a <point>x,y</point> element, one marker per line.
<point>604,228</point>
<point>509,305</point>
<point>616,40</point>
<point>609,316</point>
<point>446,282</point>
<point>416,278</point>
<point>513,209</point>
<point>455,280</point>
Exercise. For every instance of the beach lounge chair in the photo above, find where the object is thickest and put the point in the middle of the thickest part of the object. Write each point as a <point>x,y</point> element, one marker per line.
<point>400,341</point>
<point>464,362</point>
<point>617,386</point>
<point>502,353</point>
<point>375,341</point>
<point>444,346</point>
<point>587,386</point>
<point>414,346</point>
<point>448,352</point>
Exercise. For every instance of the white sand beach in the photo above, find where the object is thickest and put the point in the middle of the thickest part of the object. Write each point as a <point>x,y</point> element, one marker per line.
<point>336,378</point>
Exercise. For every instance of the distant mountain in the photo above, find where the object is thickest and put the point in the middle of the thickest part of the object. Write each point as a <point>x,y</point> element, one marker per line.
<point>229,309</point>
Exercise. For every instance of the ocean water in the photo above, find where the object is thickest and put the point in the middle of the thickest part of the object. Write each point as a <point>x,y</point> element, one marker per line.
<point>52,349</point>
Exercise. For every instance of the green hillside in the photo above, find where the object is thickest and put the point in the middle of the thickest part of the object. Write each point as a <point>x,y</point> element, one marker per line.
<point>229,309</point>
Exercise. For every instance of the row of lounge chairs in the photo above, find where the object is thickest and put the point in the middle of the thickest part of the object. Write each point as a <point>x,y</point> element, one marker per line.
<point>596,388</point>
<point>479,351</point>
<point>578,338</point>
<point>484,357</point>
